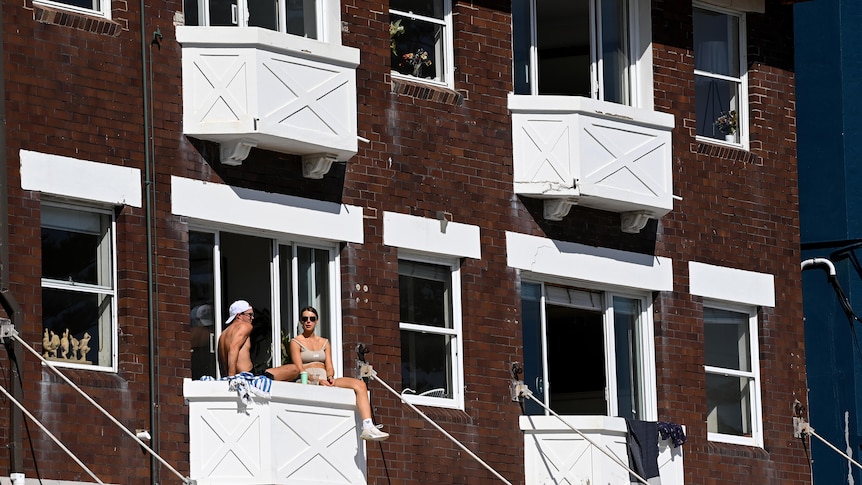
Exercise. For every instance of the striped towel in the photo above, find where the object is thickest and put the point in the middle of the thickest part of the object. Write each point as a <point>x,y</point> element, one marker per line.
<point>247,386</point>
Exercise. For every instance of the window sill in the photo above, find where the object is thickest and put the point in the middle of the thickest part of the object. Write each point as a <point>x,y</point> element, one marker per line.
<point>446,415</point>
<point>97,377</point>
<point>417,88</point>
<point>77,20</point>
<point>737,450</point>
<point>719,149</point>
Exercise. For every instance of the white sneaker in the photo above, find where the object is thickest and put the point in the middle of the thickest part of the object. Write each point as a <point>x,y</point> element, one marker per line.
<point>373,434</point>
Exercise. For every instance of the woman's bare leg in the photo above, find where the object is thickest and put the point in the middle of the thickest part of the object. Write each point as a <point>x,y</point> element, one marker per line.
<point>361,391</point>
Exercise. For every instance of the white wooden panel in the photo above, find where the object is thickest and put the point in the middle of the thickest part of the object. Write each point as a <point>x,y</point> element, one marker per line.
<point>268,89</point>
<point>555,454</point>
<point>300,435</point>
<point>602,155</point>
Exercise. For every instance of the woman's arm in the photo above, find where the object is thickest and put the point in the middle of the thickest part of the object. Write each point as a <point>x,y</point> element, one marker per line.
<point>295,355</point>
<point>330,370</point>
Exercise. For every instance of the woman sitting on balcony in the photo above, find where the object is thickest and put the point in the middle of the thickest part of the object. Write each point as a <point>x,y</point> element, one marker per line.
<point>311,354</point>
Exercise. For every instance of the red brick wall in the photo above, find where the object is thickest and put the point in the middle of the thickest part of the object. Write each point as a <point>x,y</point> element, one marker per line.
<point>738,209</point>
<point>78,93</point>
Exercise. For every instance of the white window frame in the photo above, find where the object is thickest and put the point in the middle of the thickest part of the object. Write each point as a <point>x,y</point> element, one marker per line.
<point>456,346</point>
<point>446,78</point>
<point>754,393</point>
<point>327,20</point>
<point>640,54</point>
<point>334,325</point>
<point>102,8</point>
<point>106,335</point>
<point>742,137</point>
<point>645,340</point>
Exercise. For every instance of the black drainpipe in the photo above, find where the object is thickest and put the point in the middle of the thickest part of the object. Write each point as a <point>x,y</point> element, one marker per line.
<point>13,311</point>
<point>148,202</point>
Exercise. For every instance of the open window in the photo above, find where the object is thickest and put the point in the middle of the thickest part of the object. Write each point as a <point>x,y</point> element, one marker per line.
<point>276,277</point>
<point>587,48</point>
<point>588,352</point>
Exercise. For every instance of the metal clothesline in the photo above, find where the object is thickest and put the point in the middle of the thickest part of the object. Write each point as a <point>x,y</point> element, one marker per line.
<point>8,330</point>
<point>366,370</point>
<point>50,435</point>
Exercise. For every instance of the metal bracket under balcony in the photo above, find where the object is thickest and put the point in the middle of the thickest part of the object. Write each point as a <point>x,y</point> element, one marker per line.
<point>578,151</point>
<point>250,88</point>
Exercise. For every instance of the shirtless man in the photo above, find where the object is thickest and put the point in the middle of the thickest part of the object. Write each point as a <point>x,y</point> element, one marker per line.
<point>234,346</point>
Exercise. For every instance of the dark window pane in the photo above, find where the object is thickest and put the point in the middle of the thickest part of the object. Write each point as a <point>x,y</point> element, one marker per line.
<point>223,12</point>
<point>425,364</point>
<point>263,13</point>
<point>202,296</point>
<point>576,380</point>
<point>626,315</point>
<point>424,294</point>
<point>563,44</point>
<point>302,18</point>
<point>716,42</point>
<point>729,409</point>
<point>426,8</point>
<point>88,4</point>
<point>414,49</point>
<point>726,339</point>
<point>715,98</point>
<point>70,322</point>
<point>69,255</point>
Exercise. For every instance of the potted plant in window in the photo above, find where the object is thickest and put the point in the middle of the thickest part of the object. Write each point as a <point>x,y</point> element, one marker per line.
<point>407,57</point>
<point>727,124</point>
<point>416,60</point>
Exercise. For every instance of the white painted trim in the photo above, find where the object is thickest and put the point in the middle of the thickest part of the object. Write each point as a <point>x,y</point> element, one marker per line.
<point>44,481</point>
<point>431,236</point>
<point>456,355</point>
<point>612,267</point>
<point>731,284</point>
<point>258,210</point>
<point>267,40</point>
<point>80,179</point>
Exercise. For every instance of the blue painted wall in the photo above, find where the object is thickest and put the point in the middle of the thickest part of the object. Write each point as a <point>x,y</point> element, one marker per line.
<point>828,59</point>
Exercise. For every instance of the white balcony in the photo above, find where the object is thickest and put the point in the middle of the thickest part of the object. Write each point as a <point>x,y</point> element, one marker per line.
<point>251,87</point>
<point>577,151</point>
<point>303,435</point>
<point>553,453</point>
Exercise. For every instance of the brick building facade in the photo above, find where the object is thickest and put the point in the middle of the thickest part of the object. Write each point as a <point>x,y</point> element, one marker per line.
<point>623,289</point>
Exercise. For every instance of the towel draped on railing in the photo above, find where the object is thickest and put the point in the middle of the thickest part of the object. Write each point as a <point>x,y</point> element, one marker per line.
<point>247,386</point>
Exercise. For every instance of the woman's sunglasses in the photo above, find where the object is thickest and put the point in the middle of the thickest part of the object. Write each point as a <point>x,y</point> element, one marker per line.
<point>306,319</point>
